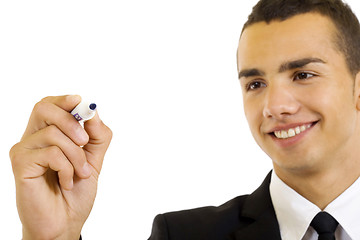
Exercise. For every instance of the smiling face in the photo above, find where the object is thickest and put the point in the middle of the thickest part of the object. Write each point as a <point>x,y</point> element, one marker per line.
<point>299,97</point>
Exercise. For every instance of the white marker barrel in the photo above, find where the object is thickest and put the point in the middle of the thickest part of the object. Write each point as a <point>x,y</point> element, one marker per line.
<point>84,111</point>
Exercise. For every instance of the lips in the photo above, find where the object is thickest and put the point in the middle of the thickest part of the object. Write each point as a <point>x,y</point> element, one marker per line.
<point>289,132</point>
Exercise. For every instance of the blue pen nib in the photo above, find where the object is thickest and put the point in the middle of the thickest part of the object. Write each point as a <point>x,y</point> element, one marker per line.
<point>92,106</point>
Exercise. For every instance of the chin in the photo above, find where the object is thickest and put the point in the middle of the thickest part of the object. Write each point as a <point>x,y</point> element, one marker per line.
<point>297,164</point>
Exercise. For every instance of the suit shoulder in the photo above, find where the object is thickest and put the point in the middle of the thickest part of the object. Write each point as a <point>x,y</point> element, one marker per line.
<point>208,213</point>
<point>204,222</point>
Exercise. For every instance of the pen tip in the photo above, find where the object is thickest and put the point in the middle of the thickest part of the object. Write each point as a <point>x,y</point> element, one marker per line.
<point>92,106</point>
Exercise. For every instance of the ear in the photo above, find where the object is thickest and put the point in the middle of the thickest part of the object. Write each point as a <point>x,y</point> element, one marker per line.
<point>357,90</point>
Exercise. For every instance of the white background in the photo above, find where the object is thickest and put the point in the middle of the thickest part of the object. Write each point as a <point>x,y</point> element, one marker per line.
<point>163,74</point>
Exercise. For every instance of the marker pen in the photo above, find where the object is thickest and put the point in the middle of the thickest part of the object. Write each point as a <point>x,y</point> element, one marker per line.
<point>84,111</point>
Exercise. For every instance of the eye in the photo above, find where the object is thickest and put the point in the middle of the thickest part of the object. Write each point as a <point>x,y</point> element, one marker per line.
<point>303,76</point>
<point>255,85</point>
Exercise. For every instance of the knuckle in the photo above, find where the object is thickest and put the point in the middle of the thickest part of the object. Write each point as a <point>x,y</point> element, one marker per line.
<point>12,151</point>
<point>57,160</point>
<point>108,132</point>
<point>67,167</point>
<point>54,152</point>
<point>57,156</point>
<point>51,131</point>
<point>18,157</point>
<point>41,108</point>
<point>47,99</point>
<point>78,157</point>
<point>15,155</point>
<point>68,98</point>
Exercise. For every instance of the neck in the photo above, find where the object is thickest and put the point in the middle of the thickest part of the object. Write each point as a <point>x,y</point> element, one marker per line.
<point>322,186</point>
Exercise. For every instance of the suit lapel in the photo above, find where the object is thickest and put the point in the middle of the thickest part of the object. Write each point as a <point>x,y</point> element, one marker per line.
<point>259,211</point>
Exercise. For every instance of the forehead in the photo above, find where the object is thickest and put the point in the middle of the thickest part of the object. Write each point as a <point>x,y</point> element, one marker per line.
<point>304,35</point>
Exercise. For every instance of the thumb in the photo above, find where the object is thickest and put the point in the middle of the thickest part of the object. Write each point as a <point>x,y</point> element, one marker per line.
<point>99,140</point>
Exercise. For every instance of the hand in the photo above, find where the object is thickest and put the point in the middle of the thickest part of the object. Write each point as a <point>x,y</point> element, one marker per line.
<point>56,167</point>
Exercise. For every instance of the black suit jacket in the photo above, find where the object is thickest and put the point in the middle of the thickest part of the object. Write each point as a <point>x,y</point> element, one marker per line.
<point>248,217</point>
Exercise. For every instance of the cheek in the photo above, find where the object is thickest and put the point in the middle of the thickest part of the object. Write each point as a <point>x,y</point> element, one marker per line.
<point>335,105</point>
<point>339,97</point>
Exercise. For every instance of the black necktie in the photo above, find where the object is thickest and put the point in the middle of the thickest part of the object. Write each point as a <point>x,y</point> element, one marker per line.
<point>325,225</point>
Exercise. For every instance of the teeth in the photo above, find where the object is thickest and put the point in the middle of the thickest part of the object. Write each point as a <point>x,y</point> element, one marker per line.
<point>278,134</point>
<point>292,131</point>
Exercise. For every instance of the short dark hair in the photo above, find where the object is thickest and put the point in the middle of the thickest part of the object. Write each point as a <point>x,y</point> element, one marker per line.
<point>347,38</point>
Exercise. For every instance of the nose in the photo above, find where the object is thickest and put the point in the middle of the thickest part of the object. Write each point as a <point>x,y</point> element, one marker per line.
<point>280,103</point>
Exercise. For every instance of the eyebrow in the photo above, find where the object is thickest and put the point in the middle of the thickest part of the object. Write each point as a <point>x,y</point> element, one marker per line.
<point>251,73</point>
<point>298,64</point>
<point>283,67</point>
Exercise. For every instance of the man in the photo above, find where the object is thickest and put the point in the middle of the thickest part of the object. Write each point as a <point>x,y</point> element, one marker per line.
<point>298,63</point>
<point>299,71</point>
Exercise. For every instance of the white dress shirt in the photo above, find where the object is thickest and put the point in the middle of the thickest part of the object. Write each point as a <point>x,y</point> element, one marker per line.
<point>295,213</point>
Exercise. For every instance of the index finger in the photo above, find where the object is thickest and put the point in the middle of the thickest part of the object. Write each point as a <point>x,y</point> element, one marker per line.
<point>65,102</point>
<point>55,111</point>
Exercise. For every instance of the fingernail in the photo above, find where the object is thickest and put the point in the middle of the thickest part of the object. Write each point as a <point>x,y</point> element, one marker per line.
<point>70,184</point>
<point>86,169</point>
<point>82,135</point>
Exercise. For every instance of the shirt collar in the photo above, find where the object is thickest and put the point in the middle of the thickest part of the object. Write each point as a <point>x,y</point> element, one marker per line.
<point>294,213</point>
<point>345,209</point>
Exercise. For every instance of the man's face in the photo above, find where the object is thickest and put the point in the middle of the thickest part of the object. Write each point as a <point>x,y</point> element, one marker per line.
<point>298,93</point>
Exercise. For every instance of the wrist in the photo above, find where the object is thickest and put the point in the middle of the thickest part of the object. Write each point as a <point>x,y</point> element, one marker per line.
<point>47,235</point>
